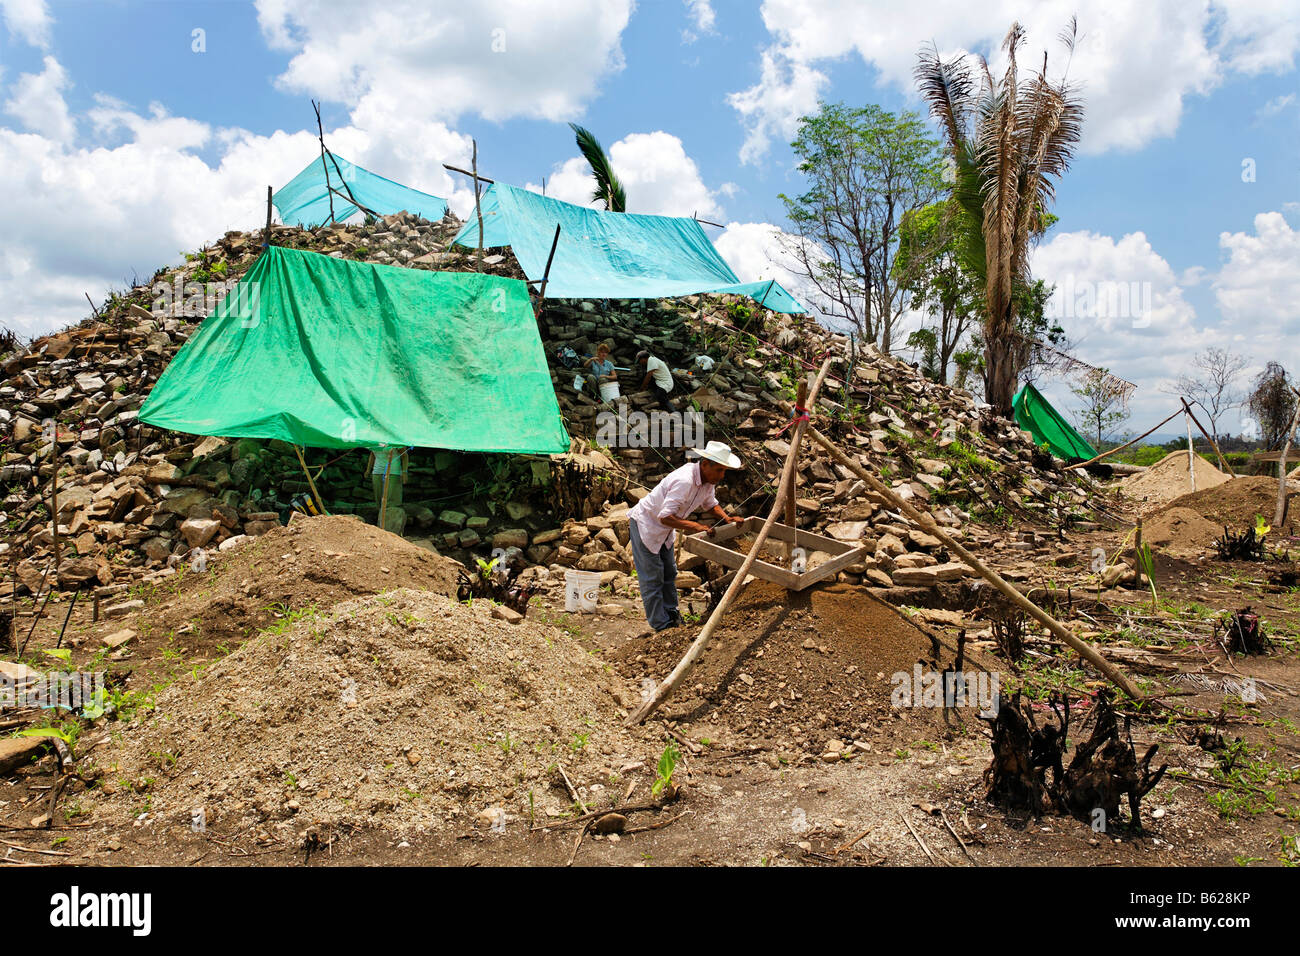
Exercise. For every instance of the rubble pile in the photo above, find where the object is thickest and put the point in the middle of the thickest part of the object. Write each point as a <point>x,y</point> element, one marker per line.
<point>131,498</point>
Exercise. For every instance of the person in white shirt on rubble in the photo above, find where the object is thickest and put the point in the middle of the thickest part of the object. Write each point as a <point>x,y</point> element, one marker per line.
<point>657,518</point>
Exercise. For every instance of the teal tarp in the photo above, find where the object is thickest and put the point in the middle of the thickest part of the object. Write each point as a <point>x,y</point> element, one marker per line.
<point>610,255</point>
<point>304,200</point>
<point>332,353</point>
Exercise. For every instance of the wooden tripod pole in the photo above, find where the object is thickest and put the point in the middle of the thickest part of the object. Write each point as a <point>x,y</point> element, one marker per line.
<point>1208,437</point>
<point>791,492</point>
<point>929,525</point>
<point>664,690</point>
<point>1191,453</point>
<point>1280,511</point>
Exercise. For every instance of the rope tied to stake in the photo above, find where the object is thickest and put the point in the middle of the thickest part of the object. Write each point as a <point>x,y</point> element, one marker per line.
<point>800,415</point>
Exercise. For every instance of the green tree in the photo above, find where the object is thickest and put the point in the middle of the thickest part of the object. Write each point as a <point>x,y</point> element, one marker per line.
<point>866,168</point>
<point>609,189</point>
<point>1102,408</point>
<point>1009,142</point>
<point>1272,405</point>
<point>929,265</point>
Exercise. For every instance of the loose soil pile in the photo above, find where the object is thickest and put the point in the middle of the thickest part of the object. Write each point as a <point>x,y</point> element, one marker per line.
<point>1180,531</point>
<point>1167,479</point>
<point>313,562</point>
<point>406,712</point>
<point>1238,502</point>
<point>792,667</point>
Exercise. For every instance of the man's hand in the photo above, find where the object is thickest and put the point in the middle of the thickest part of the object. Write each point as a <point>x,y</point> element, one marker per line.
<point>735,519</point>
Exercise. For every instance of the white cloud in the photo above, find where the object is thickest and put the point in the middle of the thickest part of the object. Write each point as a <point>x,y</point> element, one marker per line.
<point>411,59</point>
<point>1136,64</point>
<point>702,18</point>
<point>82,220</point>
<point>787,89</point>
<point>1274,106</point>
<point>36,100</point>
<point>760,250</point>
<point>1259,284</point>
<point>28,20</point>
<point>657,174</point>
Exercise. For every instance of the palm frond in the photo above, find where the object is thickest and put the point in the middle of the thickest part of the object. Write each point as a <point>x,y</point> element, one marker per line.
<point>609,189</point>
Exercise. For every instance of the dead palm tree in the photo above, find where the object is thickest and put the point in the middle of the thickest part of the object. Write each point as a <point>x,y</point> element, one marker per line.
<point>608,188</point>
<point>1009,142</point>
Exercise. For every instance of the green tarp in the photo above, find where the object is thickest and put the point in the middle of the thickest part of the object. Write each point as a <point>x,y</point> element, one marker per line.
<point>610,255</point>
<point>1036,415</point>
<point>305,200</point>
<point>331,353</point>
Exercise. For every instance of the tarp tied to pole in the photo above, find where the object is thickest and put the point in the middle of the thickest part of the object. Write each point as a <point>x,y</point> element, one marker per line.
<point>332,353</point>
<point>610,255</point>
<point>305,201</point>
<point>1035,414</point>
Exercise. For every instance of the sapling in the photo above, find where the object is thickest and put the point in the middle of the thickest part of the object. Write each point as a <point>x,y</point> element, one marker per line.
<point>664,772</point>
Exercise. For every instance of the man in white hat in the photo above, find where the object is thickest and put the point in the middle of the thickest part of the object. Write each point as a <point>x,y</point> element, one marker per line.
<point>658,517</point>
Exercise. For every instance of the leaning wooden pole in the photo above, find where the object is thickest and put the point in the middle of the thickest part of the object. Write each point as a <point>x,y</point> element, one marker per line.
<point>930,526</point>
<point>1280,511</point>
<point>1208,437</point>
<point>664,690</point>
<point>1107,454</point>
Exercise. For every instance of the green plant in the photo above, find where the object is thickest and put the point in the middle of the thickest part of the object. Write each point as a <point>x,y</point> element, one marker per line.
<point>664,771</point>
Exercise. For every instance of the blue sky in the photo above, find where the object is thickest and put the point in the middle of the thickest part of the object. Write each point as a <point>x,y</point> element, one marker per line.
<point>130,147</point>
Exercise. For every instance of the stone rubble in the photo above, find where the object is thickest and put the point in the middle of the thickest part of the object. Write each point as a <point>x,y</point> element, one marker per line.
<point>133,500</point>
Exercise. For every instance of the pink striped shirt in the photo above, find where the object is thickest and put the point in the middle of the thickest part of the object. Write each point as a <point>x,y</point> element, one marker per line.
<point>680,493</point>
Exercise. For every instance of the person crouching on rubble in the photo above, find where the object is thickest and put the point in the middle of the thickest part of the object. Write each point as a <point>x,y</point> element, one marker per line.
<point>604,373</point>
<point>656,519</point>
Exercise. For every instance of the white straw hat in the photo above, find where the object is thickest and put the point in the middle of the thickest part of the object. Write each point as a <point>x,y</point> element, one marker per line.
<point>717,452</point>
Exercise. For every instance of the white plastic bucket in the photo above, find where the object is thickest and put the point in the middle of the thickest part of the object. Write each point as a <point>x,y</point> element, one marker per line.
<point>609,391</point>
<point>581,589</point>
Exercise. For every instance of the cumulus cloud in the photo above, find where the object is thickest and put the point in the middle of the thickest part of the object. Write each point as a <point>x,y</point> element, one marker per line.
<point>36,101</point>
<point>1259,284</point>
<point>658,175</point>
<point>28,20</point>
<point>1136,63</point>
<point>702,18</point>
<point>408,58</point>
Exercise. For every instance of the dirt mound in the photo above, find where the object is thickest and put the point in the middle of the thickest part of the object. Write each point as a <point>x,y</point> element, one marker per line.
<point>404,711</point>
<point>1180,531</point>
<point>311,562</point>
<point>792,666</point>
<point>1167,479</point>
<point>1237,502</point>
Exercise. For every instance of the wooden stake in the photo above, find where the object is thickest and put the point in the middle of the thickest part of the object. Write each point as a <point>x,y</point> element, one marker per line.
<point>54,495</point>
<point>383,501</point>
<point>1281,510</point>
<point>928,524</point>
<point>1107,454</point>
<point>664,690</point>
<point>1191,453</point>
<point>791,506</point>
<point>320,134</point>
<point>546,275</point>
<point>320,502</point>
<point>266,235</point>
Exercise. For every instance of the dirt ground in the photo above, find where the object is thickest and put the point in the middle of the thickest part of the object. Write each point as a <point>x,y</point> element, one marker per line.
<point>792,752</point>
